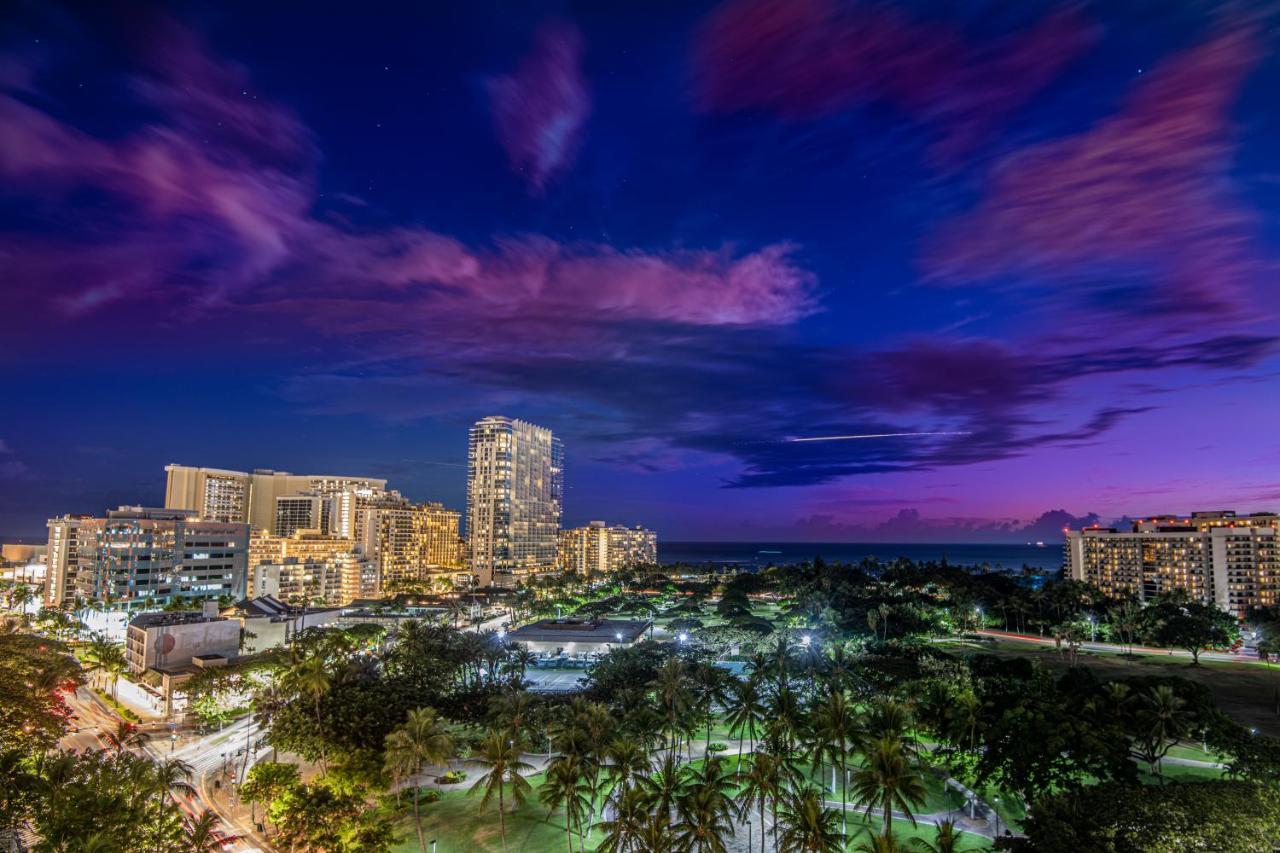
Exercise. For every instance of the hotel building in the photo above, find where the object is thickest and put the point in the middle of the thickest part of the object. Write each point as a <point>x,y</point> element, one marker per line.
<point>599,549</point>
<point>237,496</point>
<point>515,489</point>
<point>411,542</point>
<point>1216,557</point>
<point>143,558</point>
<point>309,567</point>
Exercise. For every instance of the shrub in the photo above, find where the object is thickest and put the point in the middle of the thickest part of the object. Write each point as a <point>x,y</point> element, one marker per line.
<point>453,777</point>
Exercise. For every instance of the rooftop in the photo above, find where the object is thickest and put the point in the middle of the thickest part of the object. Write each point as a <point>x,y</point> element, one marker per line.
<point>171,617</point>
<point>580,630</point>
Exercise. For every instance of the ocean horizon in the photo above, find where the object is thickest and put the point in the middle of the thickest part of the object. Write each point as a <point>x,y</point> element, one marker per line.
<point>1010,557</point>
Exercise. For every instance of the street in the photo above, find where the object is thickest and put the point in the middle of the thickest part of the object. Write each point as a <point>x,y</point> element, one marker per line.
<point>213,758</point>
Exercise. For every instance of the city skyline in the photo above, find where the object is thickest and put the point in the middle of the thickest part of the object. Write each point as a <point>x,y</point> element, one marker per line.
<point>1003,265</point>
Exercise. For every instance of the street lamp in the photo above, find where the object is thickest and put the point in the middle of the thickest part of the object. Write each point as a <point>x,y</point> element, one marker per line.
<point>1093,628</point>
<point>805,639</point>
<point>684,638</point>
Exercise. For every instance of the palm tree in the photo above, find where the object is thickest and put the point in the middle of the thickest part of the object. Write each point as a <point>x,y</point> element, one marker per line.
<point>663,787</point>
<point>626,832</point>
<point>502,756</point>
<point>1162,721</point>
<point>673,698</point>
<point>566,785</point>
<point>746,712</point>
<point>947,839</point>
<point>169,774</point>
<point>202,835</point>
<point>627,762</point>
<point>713,686</point>
<point>888,778</point>
<point>310,676</point>
<point>834,732</point>
<point>705,808</point>
<point>808,826</point>
<point>762,785</point>
<point>520,656</point>
<point>421,739</point>
<point>126,735</point>
<point>786,718</point>
<point>511,711</point>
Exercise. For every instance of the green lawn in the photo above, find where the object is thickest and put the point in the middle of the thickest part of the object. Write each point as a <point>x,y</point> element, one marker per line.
<point>457,823</point>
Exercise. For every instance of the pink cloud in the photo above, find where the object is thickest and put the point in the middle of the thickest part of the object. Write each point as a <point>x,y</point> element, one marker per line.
<point>216,203</point>
<point>539,110</point>
<point>803,59</point>
<point>1140,194</point>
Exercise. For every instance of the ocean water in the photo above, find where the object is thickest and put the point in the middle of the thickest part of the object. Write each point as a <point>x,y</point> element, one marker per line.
<point>1008,557</point>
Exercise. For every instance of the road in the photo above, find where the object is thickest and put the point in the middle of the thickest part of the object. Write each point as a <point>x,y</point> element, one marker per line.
<point>1242,656</point>
<point>217,756</point>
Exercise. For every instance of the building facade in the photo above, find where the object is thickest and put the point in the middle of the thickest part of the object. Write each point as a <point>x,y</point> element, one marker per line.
<point>515,490</point>
<point>1215,557</point>
<point>250,497</point>
<point>411,543</point>
<point>597,548</point>
<point>169,640</point>
<point>308,567</point>
<point>142,558</point>
<point>63,559</point>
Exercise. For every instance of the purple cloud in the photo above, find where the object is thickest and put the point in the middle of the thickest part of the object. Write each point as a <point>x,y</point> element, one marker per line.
<point>803,59</point>
<point>539,110</point>
<point>1134,215</point>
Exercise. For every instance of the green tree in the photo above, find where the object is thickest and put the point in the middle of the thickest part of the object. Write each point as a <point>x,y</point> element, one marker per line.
<point>1116,818</point>
<point>267,781</point>
<point>704,808</point>
<point>835,731</point>
<point>631,819</point>
<point>567,786</point>
<point>1194,626</point>
<point>1161,720</point>
<point>310,677</point>
<point>501,756</point>
<point>203,834</point>
<point>746,713</point>
<point>762,786</point>
<point>807,825</point>
<point>888,779</point>
<point>422,739</point>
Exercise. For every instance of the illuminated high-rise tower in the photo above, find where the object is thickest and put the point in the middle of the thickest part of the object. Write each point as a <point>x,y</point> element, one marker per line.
<point>515,489</point>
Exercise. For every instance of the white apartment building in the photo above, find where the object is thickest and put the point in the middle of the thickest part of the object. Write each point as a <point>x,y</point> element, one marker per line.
<point>1216,557</point>
<point>515,490</point>
<point>597,548</point>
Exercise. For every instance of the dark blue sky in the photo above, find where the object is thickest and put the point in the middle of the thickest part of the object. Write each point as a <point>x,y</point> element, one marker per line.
<point>1040,237</point>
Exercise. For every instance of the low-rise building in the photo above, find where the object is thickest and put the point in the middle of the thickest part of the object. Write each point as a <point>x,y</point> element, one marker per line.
<point>169,640</point>
<point>579,636</point>
<point>270,623</point>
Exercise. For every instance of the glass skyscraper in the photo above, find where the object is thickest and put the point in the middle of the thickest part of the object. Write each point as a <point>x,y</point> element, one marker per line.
<point>515,490</point>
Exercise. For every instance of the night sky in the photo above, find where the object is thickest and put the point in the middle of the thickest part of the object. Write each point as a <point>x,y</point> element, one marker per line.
<point>325,238</point>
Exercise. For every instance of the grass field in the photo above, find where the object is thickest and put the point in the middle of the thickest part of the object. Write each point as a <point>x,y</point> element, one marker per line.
<point>457,823</point>
<point>1245,692</point>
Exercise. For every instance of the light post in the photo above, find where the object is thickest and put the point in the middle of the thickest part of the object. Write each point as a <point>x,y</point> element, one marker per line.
<point>173,741</point>
<point>996,811</point>
<point>1093,628</point>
